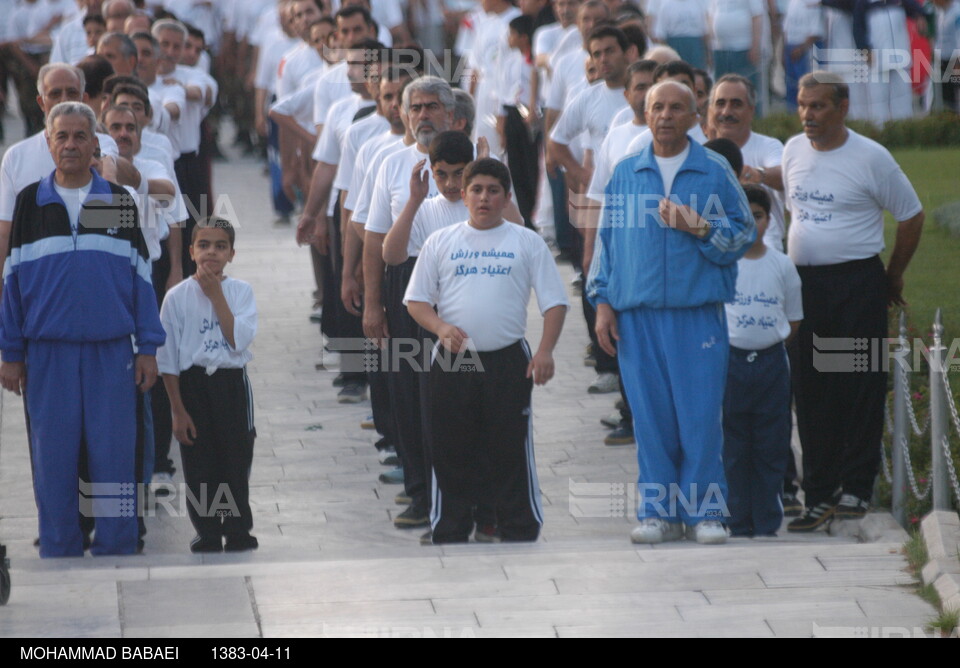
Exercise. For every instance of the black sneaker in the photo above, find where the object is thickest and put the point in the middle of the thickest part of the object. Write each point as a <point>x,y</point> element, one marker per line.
<point>411,518</point>
<point>622,435</point>
<point>202,544</point>
<point>241,543</point>
<point>851,507</point>
<point>816,517</point>
<point>427,538</point>
<point>791,505</point>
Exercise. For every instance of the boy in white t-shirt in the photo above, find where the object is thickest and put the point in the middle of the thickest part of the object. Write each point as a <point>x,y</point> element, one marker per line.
<point>210,321</point>
<point>756,408</point>
<point>479,274</point>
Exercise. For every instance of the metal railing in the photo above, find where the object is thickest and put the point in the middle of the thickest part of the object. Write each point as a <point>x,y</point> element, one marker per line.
<point>943,411</point>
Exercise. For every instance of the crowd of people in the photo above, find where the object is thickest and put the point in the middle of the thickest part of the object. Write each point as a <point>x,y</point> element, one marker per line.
<point>429,153</point>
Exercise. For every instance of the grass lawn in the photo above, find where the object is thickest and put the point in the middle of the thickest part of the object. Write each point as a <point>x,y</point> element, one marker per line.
<point>933,278</point>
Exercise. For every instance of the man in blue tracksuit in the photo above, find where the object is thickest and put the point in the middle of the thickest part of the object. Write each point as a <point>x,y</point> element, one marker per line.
<point>76,287</point>
<point>675,223</point>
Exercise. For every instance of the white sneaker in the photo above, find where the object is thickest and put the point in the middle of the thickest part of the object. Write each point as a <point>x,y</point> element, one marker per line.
<point>161,484</point>
<point>653,530</point>
<point>710,532</point>
<point>605,384</point>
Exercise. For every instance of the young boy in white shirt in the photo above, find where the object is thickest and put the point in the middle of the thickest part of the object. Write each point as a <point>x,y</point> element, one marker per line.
<point>756,410</point>
<point>210,321</point>
<point>479,274</point>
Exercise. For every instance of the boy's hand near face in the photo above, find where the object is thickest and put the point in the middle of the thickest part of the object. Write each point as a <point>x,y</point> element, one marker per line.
<point>419,182</point>
<point>209,282</point>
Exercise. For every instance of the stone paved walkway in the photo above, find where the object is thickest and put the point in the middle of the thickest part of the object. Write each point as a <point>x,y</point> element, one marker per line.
<point>331,563</point>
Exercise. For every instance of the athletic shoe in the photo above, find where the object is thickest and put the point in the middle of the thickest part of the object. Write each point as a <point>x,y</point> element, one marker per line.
<point>605,384</point>
<point>402,499</point>
<point>241,543</point>
<point>367,423</point>
<point>352,393</point>
<point>654,530</point>
<point>486,533</point>
<point>394,477</point>
<point>161,483</point>
<point>710,532</point>
<point>816,517</point>
<point>791,505</point>
<point>209,544</point>
<point>339,380</point>
<point>316,316</point>
<point>389,458</point>
<point>427,538</point>
<point>612,421</point>
<point>282,221</point>
<point>851,507</point>
<point>411,518</point>
<point>590,360</point>
<point>620,436</point>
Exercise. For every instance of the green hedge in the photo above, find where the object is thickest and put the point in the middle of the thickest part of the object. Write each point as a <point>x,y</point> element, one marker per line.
<point>938,130</point>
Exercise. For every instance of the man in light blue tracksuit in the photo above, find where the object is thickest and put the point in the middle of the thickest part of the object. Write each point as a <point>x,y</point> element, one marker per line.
<point>675,223</point>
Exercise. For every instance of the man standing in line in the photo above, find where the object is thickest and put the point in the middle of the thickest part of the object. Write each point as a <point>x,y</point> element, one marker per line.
<point>838,184</point>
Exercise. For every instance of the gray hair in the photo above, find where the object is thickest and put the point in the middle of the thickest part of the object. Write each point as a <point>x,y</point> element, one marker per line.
<point>127,47</point>
<point>110,3</point>
<point>71,109</point>
<point>464,109</point>
<point>51,67</point>
<point>430,85</point>
<point>740,79</point>
<point>663,84</point>
<point>841,91</point>
<point>168,24</point>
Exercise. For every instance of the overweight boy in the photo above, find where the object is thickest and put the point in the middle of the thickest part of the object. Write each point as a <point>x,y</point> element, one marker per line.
<point>479,274</point>
<point>765,313</point>
<point>210,320</point>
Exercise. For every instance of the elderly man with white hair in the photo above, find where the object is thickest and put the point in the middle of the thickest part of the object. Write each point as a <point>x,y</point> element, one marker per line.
<point>675,223</point>
<point>77,289</point>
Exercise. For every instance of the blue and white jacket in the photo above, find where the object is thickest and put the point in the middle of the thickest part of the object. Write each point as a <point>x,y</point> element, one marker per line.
<point>639,261</point>
<point>91,286</point>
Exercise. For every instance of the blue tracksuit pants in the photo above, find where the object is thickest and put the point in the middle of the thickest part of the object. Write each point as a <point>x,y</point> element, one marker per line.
<point>673,363</point>
<point>83,391</point>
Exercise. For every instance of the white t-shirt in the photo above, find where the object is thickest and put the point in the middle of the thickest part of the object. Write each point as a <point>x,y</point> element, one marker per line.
<point>391,190</point>
<point>272,49</point>
<point>948,31</point>
<point>70,43</point>
<point>332,86</point>
<point>195,110</point>
<point>339,118</point>
<point>678,18</point>
<point>837,199</point>
<point>294,66</point>
<point>299,105</point>
<point>611,152</point>
<point>732,22</point>
<point>480,281</point>
<point>670,166</point>
<point>355,138</point>
<point>153,224</point>
<point>568,72</point>
<point>768,300</point>
<point>364,173</point>
<point>763,151</point>
<point>804,19</point>
<point>592,110</point>
<point>193,329</point>
<point>73,199</point>
<point>162,94</point>
<point>434,214</point>
<point>624,116</point>
<point>29,161</point>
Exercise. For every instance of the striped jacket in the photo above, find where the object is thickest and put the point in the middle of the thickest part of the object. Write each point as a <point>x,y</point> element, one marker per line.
<point>92,285</point>
<point>639,261</point>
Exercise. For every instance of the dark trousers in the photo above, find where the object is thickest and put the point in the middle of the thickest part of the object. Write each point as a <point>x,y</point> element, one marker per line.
<point>949,88</point>
<point>160,402</point>
<point>336,321</point>
<point>196,191</point>
<point>523,158</point>
<point>217,466</point>
<point>482,444</point>
<point>839,409</point>
<point>567,235</point>
<point>406,337</point>
<point>605,363</point>
<point>756,438</point>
